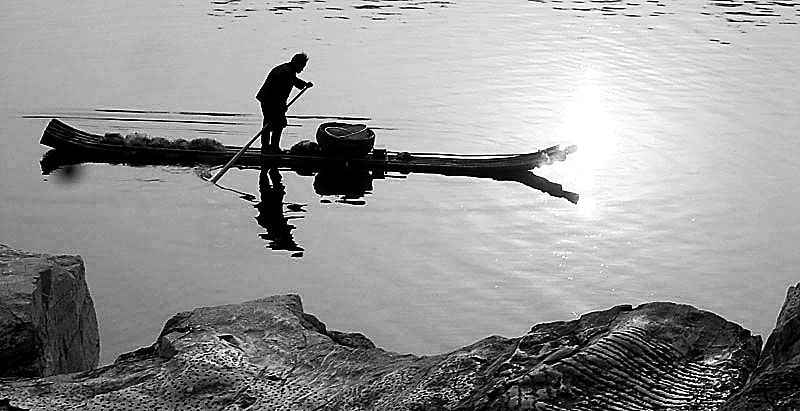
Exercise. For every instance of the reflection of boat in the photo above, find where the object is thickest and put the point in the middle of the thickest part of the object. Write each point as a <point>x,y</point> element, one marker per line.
<point>349,185</point>
<point>73,146</point>
<point>353,140</point>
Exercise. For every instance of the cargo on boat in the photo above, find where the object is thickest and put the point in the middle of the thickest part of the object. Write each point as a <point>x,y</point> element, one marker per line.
<point>342,139</point>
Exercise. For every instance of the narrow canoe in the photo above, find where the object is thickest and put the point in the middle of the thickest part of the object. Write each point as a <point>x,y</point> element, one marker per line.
<point>74,146</point>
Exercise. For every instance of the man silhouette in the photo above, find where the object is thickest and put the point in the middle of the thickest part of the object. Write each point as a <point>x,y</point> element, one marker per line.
<point>273,95</point>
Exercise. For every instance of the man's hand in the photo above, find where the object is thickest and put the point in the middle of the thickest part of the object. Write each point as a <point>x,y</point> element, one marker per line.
<point>309,84</point>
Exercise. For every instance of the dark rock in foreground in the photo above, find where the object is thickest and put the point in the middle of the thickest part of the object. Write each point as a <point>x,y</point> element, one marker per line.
<point>775,385</point>
<point>48,324</point>
<point>269,354</point>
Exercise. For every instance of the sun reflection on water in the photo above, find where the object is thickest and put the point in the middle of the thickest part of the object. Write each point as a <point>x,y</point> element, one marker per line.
<point>587,205</point>
<point>589,123</point>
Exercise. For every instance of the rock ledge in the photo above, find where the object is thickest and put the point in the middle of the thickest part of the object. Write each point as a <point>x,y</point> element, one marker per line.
<point>48,323</point>
<point>269,354</point>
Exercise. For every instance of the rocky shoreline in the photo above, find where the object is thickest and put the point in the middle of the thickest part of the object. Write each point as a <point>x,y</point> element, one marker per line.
<point>48,324</point>
<point>270,354</point>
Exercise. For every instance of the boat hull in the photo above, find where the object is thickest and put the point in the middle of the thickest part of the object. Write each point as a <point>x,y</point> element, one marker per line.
<point>75,146</point>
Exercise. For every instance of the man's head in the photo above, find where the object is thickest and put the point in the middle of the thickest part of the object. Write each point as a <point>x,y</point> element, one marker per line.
<point>299,61</point>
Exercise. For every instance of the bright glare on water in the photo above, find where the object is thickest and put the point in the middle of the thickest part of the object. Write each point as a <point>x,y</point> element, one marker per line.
<point>684,114</point>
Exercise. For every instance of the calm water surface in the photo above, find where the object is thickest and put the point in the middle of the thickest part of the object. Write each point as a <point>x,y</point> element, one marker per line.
<point>685,113</point>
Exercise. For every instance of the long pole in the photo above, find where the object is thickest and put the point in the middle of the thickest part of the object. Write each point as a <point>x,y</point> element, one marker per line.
<point>252,140</point>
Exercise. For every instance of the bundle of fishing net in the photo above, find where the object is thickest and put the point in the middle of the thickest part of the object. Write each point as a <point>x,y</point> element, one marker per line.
<point>137,140</point>
<point>206,144</point>
<point>113,138</point>
<point>306,148</point>
<point>159,142</point>
<point>181,144</point>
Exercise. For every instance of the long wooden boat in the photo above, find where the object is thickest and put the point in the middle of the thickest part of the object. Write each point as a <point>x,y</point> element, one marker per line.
<point>74,146</point>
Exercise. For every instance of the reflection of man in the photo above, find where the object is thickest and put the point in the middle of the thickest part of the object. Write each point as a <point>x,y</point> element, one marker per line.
<point>273,95</point>
<point>270,212</point>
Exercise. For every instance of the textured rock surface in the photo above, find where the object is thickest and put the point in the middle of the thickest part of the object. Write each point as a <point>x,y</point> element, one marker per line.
<point>270,355</point>
<point>775,385</point>
<point>47,320</point>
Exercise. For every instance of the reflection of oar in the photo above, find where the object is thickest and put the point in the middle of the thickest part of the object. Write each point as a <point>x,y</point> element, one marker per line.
<point>239,154</point>
<point>540,183</point>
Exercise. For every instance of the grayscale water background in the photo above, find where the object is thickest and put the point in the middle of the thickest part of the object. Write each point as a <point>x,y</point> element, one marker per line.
<point>685,114</point>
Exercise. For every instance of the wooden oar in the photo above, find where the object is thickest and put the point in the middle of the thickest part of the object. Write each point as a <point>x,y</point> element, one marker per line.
<point>224,169</point>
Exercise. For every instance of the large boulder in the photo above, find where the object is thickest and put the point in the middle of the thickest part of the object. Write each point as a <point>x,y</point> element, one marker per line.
<point>658,356</point>
<point>775,384</point>
<point>269,354</point>
<point>48,324</point>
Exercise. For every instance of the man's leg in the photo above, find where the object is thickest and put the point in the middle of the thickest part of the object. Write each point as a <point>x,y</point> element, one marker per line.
<point>265,142</point>
<point>275,140</point>
<point>265,133</point>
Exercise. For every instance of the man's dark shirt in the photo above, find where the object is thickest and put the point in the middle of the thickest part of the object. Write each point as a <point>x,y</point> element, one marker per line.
<point>278,86</point>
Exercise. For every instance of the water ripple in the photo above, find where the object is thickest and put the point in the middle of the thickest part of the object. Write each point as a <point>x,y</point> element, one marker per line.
<point>734,12</point>
<point>376,10</point>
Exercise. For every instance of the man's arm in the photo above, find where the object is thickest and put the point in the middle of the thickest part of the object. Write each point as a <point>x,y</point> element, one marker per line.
<point>302,84</point>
